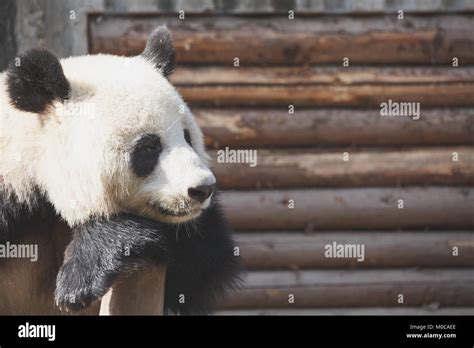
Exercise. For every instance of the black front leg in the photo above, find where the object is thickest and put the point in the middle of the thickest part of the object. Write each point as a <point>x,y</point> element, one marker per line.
<point>101,250</point>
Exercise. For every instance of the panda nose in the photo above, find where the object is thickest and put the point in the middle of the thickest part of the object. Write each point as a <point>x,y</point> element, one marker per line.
<point>201,193</point>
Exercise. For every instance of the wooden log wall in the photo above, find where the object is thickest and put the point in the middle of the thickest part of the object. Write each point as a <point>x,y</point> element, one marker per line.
<point>330,168</point>
<point>274,40</point>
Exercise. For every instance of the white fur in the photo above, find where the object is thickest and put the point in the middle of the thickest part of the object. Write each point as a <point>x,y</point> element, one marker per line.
<point>78,153</point>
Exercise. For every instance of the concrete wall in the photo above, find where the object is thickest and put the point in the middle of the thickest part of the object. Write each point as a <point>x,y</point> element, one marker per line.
<point>8,46</point>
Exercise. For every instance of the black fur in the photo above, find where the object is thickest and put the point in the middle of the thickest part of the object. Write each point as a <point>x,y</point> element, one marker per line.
<point>37,81</point>
<point>145,154</point>
<point>187,137</point>
<point>159,49</point>
<point>15,215</point>
<point>200,262</point>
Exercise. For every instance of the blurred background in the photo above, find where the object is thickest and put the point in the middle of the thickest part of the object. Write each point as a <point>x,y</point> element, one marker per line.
<point>306,93</point>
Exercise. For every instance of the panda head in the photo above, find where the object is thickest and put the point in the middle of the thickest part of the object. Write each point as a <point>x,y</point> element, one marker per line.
<point>102,134</point>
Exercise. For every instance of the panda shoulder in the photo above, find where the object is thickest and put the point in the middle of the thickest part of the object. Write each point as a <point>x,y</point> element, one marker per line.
<point>15,214</point>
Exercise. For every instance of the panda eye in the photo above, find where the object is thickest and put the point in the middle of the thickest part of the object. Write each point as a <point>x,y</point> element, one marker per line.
<point>149,148</point>
<point>148,143</point>
<point>145,154</point>
<point>187,137</point>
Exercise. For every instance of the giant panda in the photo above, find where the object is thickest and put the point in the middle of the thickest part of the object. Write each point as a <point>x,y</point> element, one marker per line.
<point>100,154</point>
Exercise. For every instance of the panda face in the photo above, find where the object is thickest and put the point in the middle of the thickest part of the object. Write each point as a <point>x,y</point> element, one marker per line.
<point>172,182</point>
<point>152,160</point>
<point>124,140</point>
<point>166,168</point>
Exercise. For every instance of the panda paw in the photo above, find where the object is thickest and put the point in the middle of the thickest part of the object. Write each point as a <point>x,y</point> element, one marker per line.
<point>77,287</point>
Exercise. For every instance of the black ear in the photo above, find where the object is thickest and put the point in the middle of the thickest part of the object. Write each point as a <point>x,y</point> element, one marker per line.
<point>35,79</point>
<point>159,50</point>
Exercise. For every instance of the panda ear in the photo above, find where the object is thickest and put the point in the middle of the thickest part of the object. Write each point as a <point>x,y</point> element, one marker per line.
<point>160,51</point>
<point>35,79</point>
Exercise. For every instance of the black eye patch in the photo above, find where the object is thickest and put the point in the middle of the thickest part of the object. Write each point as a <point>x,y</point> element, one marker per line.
<point>145,154</point>
<point>187,137</point>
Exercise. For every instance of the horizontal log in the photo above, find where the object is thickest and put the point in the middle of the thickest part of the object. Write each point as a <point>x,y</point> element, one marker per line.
<point>297,279</point>
<point>296,250</point>
<point>276,127</point>
<point>365,208</point>
<point>205,76</point>
<point>321,168</point>
<point>236,7</point>
<point>353,311</point>
<point>365,95</point>
<point>368,288</point>
<point>309,40</point>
